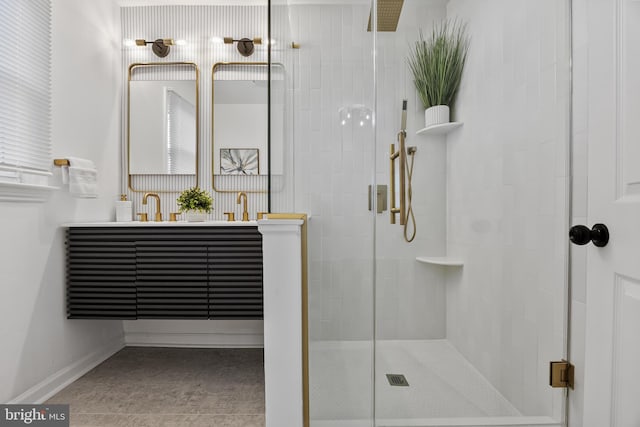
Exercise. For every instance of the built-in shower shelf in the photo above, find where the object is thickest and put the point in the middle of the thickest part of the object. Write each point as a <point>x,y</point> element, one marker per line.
<point>441,260</point>
<point>442,129</point>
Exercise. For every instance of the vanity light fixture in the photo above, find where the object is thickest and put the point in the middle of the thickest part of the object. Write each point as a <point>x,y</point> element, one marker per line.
<point>245,45</point>
<point>161,47</point>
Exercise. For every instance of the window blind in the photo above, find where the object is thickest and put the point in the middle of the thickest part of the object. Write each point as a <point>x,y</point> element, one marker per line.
<point>25,91</point>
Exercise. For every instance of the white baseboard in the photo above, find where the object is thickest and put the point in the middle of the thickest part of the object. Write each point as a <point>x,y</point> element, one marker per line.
<point>48,387</point>
<point>194,333</point>
<point>199,340</point>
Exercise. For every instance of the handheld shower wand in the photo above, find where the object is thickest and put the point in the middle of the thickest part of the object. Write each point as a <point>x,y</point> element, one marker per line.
<point>403,126</point>
<point>405,210</point>
<point>411,151</point>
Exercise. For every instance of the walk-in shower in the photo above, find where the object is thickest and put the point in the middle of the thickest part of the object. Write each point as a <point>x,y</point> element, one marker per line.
<point>473,309</point>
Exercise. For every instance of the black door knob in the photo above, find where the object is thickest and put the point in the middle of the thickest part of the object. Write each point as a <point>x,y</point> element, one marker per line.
<point>581,235</point>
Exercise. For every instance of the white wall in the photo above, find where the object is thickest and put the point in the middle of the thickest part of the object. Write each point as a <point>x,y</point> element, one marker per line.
<point>37,339</point>
<point>148,132</point>
<point>241,126</point>
<point>240,117</point>
<point>507,182</point>
<point>149,125</point>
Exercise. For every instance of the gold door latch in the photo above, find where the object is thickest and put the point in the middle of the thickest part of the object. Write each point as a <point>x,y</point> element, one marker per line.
<point>561,374</point>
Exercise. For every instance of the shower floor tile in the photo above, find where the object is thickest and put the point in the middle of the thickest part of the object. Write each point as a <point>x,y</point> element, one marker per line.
<point>442,383</point>
<point>144,386</point>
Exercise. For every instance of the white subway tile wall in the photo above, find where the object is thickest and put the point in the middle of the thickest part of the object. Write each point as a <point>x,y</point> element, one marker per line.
<point>334,166</point>
<point>507,190</point>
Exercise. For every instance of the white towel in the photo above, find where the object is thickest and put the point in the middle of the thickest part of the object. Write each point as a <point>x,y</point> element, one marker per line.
<point>77,162</point>
<point>82,178</point>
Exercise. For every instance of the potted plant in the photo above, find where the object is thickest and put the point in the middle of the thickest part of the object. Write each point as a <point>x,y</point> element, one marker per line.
<point>437,64</point>
<point>195,203</point>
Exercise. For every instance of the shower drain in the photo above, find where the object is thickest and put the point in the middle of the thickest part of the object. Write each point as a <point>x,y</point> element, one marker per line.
<point>397,380</point>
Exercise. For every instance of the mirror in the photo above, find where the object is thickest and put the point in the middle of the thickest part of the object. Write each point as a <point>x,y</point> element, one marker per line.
<point>163,119</point>
<point>240,135</point>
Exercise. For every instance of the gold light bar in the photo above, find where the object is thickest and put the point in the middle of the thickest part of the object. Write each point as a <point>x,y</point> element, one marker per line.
<point>143,42</point>
<point>231,40</point>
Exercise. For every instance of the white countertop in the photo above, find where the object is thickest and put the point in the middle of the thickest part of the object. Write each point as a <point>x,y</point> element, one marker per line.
<point>164,224</point>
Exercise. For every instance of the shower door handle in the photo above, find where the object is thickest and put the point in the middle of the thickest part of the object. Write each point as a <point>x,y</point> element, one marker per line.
<point>581,235</point>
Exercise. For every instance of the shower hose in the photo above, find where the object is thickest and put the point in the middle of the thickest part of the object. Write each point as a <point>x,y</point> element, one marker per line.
<point>411,151</point>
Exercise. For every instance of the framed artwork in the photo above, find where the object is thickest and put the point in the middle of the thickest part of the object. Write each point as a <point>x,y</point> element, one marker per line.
<point>239,161</point>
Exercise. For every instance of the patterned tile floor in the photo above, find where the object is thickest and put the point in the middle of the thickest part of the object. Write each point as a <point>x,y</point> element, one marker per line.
<point>143,386</point>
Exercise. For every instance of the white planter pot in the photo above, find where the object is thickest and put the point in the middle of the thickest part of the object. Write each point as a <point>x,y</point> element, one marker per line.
<point>196,216</point>
<point>436,115</point>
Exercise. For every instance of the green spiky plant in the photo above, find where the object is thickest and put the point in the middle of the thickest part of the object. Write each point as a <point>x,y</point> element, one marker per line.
<point>437,63</point>
<point>195,199</point>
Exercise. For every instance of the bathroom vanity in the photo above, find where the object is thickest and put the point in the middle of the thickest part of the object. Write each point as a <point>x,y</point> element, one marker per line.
<point>206,270</point>
<point>210,270</point>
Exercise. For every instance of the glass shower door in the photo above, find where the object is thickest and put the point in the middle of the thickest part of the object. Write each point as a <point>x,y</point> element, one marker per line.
<point>469,313</point>
<point>333,154</point>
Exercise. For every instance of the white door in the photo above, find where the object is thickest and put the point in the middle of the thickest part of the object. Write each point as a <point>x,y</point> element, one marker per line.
<point>612,359</point>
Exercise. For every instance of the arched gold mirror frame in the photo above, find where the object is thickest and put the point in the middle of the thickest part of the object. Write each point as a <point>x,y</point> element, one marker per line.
<point>132,67</point>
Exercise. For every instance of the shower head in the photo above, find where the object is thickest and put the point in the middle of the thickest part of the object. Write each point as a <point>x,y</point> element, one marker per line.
<point>388,15</point>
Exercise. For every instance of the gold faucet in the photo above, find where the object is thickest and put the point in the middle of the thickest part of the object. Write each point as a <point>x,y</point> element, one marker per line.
<point>158,213</point>
<point>245,213</point>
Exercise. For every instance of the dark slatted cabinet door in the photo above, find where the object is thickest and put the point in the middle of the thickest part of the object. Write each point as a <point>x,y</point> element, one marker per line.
<point>235,272</point>
<point>101,274</point>
<point>172,279</point>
